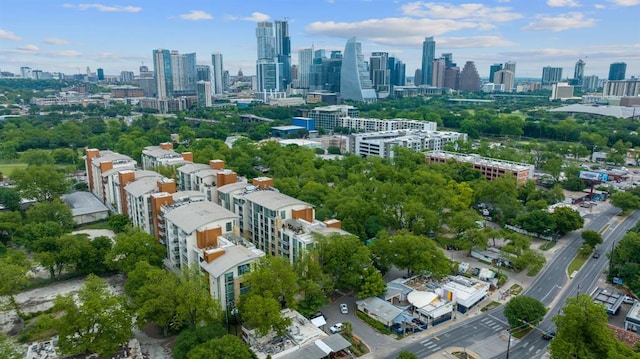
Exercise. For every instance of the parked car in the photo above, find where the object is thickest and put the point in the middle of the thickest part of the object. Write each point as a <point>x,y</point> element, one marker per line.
<point>475,271</point>
<point>316,315</point>
<point>344,309</point>
<point>548,335</point>
<point>628,300</point>
<point>336,328</point>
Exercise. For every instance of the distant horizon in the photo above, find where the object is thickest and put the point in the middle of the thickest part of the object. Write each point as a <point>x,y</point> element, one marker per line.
<point>68,37</point>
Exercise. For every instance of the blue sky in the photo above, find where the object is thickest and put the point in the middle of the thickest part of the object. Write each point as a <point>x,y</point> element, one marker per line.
<point>68,36</point>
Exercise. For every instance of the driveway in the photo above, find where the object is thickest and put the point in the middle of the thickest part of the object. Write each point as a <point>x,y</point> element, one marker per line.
<point>372,338</point>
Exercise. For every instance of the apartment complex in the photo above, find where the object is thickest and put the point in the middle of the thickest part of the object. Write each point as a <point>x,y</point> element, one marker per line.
<point>490,168</point>
<point>382,144</point>
<point>164,155</point>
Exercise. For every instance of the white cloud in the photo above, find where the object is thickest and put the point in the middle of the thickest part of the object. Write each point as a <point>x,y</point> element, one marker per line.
<point>29,48</point>
<point>625,2</point>
<point>56,41</point>
<point>600,6</point>
<point>196,15</point>
<point>391,30</point>
<point>572,20</point>
<point>67,53</point>
<point>471,11</point>
<point>257,17</point>
<point>474,42</point>
<point>8,35</point>
<point>103,8</point>
<point>563,3</point>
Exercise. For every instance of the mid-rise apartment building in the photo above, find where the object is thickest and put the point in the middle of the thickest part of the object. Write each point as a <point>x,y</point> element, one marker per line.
<point>490,168</point>
<point>164,155</point>
<point>327,117</point>
<point>382,144</point>
<point>103,178</point>
<point>138,199</point>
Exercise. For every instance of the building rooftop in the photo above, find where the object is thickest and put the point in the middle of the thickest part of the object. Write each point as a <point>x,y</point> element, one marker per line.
<point>611,300</point>
<point>110,156</point>
<point>193,167</point>
<point>157,152</point>
<point>613,111</point>
<point>83,203</point>
<point>464,287</point>
<point>273,200</point>
<point>477,159</point>
<point>231,187</point>
<point>143,185</point>
<point>192,216</point>
<point>233,256</point>
<point>634,313</point>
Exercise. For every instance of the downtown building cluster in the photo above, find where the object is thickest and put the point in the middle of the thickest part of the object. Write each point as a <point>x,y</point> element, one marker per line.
<point>208,216</point>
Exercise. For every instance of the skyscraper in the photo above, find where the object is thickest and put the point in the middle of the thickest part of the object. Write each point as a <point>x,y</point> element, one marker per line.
<point>379,71</point>
<point>355,84</point>
<point>266,67</point>
<point>163,73</point>
<point>417,77</point>
<point>504,77</point>
<point>469,78</point>
<point>428,54</point>
<point>511,66</point>
<point>578,72</point>
<point>448,59</point>
<point>437,77</point>
<point>452,77</point>
<point>100,72</point>
<point>217,87</point>
<point>203,73</point>
<point>617,71</point>
<point>551,75</point>
<point>305,59</point>
<point>203,91</point>
<point>492,70</point>
<point>283,52</point>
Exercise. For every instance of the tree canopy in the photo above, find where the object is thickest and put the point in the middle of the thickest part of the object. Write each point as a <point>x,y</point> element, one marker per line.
<point>524,310</point>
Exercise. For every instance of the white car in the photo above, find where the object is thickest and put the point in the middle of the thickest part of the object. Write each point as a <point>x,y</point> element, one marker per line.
<point>336,328</point>
<point>628,300</point>
<point>344,309</point>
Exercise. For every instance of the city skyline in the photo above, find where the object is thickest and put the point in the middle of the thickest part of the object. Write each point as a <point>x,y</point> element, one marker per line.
<point>71,36</point>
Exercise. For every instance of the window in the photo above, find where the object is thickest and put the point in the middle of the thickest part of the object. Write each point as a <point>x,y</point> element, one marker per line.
<point>229,227</point>
<point>242,269</point>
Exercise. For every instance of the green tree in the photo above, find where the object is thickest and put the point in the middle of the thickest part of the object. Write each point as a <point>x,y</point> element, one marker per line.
<point>9,349</point>
<point>10,199</point>
<point>54,211</point>
<point>625,200</point>
<point>372,283</point>
<point>274,277</point>
<point>524,310</point>
<point>592,238</point>
<point>406,355</point>
<point>42,183</point>
<point>227,347</point>
<point>14,269</point>
<point>539,222</point>
<point>193,336</point>
<point>582,332</point>
<point>567,219</point>
<point>416,254</point>
<point>262,314</point>
<point>37,157</point>
<point>99,322</point>
<point>132,247</point>
<point>119,222</point>
<point>58,254</point>
<point>344,258</point>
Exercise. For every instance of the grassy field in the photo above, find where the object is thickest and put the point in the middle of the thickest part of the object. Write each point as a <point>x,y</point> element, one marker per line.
<point>7,168</point>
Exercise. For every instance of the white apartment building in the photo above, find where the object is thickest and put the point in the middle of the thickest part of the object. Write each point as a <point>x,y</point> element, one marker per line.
<point>327,117</point>
<point>382,144</point>
<point>164,155</point>
<point>203,178</point>
<point>102,172</point>
<point>192,228</point>
<point>138,198</point>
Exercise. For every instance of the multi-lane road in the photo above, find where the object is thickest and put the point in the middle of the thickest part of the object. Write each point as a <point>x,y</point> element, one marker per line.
<point>551,287</point>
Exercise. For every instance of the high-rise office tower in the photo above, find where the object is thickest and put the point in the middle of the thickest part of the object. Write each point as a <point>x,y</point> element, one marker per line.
<point>428,55</point>
<point>452,77</point>
<point>266,67</point>
<point>355,84</point>
<point>511,66</point>
<point>492,70</point>
<point>183,70</point>
<point>125,76</point>
<point>379,71</point>
<point>400,74</point>
<point>417,77</point>
<point>469,78</point>
<point>203,73</point>
<point>590,83</point>
<point>505,78</point>
<point>100,72</point>
<point>438,69</point>
<point>144,68</point>
<point>617,71</point>
<point>551,75</point>
<point>162,73</point>
<point>448,59</point>
<point>203,92</point>
<point>26,72</point>
<point>578,72</point>
<point>305,60</point>
<point>283,52</point>
<point>217,82</point>
<point>145,73</point>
